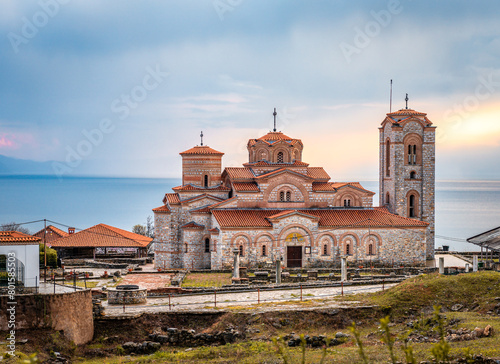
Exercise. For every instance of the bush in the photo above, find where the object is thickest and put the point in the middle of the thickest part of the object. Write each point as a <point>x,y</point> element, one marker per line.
<point>51,257</point>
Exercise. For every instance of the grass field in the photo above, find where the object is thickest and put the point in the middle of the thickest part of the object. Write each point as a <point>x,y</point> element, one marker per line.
<point>206,279</point>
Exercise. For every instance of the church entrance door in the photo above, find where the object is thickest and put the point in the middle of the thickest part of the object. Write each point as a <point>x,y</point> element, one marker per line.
<point>294,256</point>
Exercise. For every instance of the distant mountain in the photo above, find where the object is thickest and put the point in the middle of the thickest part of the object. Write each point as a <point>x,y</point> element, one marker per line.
<point>12,166</point>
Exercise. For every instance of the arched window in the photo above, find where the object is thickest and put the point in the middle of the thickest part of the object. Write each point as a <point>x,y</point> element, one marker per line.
<point>387,158</point>
<point>387,198</point>
<point>411,206</point>
<point>348,249</point>
<point>282,196</point>
<point>241,250</point>
<point>207,245</point>
<point>347,202</point>
<point>288,196</point>
<point>370,249</point>
<point>205,181</point>
<point>413,175</point>
<point>264,251</point>
<point>412,154</point>
<point>325,249</point>
<point>280,157</point>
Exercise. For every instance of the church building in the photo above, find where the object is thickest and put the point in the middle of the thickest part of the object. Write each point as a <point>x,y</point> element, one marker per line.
<point>276,206</point>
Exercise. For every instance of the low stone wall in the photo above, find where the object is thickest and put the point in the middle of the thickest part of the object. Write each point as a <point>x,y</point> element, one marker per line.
<point>127,297</point>
<point>69,312</point>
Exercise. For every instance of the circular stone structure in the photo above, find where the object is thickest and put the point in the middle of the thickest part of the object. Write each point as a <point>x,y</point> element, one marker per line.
<point>127,294</point>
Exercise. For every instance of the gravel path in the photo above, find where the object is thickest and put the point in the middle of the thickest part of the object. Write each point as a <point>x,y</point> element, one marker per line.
<point>207,301</point>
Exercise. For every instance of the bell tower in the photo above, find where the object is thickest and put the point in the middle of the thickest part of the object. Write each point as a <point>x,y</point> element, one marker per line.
<point>201,166</point>
<point>407,168</point>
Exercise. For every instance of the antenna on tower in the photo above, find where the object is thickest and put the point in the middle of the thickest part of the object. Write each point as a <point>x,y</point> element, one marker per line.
<point>390,100</point>
<point>274,114</point>
<point>201,136</point>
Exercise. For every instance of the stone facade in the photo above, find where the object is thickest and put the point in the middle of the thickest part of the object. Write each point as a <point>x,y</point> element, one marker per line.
<point>407,168</point>
<point>278,207</point>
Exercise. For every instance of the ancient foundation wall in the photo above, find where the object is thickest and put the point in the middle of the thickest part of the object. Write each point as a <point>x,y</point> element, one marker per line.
<point>69,312</point>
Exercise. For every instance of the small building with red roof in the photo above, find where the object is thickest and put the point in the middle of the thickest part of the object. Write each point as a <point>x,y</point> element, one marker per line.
<point>276,206</point>
<point>101,241</point>
<point>20,259</point>
<point>51,233</point>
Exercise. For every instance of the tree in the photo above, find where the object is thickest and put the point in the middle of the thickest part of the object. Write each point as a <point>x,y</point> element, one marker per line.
<point>139,229</point>
<point>13,226</point>
<point>146,230</point>
<point>150,228</point>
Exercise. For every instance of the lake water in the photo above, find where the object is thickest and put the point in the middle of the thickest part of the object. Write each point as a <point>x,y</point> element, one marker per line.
<point>463,208</point>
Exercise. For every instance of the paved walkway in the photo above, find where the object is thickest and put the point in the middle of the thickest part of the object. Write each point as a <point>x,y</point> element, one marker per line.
<point>207,301</point>
<point>48,288</point>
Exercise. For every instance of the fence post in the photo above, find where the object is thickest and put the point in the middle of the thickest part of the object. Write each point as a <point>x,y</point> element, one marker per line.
<point>301,292</point>
<point>54,278</point>
<point>342,288</point>
<point>383,284</point>
<point>169,307</point>
<point>36,284</point>
<point>215,298</point>
<point>74,280</point>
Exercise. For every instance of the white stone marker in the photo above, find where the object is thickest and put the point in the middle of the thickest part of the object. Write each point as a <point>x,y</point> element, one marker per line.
<point>236,269</point>
<point>467,268</point>
<point>278,271</point>
<point>441,265</point>
<point>343,269</point>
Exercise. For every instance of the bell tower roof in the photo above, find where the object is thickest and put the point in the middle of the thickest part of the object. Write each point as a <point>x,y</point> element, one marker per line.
<point>201,150</point>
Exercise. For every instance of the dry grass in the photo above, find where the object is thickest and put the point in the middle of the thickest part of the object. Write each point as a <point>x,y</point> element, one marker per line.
<point>207,279</point>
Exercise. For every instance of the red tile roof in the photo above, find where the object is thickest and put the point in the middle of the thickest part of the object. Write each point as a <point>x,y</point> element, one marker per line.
<point>51,229</point>
<point>273,137</point>
<point>400,116</point>
<point>245,187</point>
<point>172,199</point>
<point>214,231</point>
<point>266,163</point>
<point>163,208</point>
<point>247,218</point>
<point>192,225</point>
<point>17,238</point>
<point>204,150</point>
<point>239,173</point>
<point>317,173</point>
<point>190,187</point>
<point>406,112</point>
<point>290,212</point>
<point>102,235</point>
<point>334,186</point>
<point>323,186</point>
<point>282,170</point>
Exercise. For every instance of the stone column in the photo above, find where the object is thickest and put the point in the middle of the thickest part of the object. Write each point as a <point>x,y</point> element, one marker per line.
<point>466,267</point>
<point>474,263</point>
<point>236,267</point>
<point>441,265</point>
<point>343,269</point>
<point>278,271</point>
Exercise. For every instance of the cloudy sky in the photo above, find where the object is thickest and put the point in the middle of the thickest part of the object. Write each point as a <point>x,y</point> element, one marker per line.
<point>120,88</point>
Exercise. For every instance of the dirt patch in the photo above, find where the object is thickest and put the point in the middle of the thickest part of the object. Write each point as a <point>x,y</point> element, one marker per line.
<point>148,281</point>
